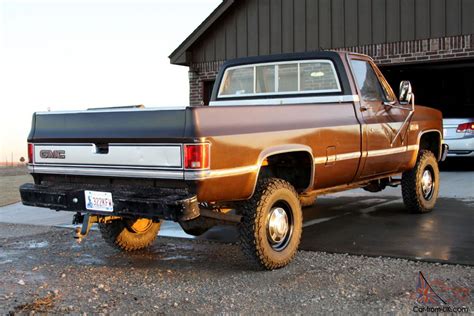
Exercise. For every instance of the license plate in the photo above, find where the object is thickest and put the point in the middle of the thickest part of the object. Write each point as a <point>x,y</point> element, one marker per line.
<point>99,201</point>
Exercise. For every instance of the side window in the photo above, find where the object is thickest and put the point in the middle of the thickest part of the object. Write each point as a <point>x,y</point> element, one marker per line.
<point>367,81</point>
<point>387,90</point>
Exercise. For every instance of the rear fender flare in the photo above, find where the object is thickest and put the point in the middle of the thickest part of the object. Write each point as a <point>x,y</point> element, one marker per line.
<point>282,149</point>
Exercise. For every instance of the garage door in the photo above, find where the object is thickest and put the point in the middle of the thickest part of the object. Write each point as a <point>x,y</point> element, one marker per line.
<point>447,86</point>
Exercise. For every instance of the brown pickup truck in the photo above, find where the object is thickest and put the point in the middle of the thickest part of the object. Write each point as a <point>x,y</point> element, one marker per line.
<point>280,130</point>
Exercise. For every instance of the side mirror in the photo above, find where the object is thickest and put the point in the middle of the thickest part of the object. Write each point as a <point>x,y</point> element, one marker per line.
<point>406,97</point>
<point>406,93</point>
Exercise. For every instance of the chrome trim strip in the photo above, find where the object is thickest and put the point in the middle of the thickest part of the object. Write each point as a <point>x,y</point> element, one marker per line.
<point>385,152</point>
<point>370,153</point>
<point>338,157</point>
<point>320,160</point>
<point>95,166</point>
<point>348,156</point>
<point>413,147</point>
<point>220,173</point>
<point>391,151</point>
<point>104,172</point>
<point>289,100</point>
<point>200,174</point>
<point>134,155</point>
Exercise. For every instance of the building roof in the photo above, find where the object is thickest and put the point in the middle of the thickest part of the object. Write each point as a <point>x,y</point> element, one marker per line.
<point>245,28</point>
<point>180,55</point>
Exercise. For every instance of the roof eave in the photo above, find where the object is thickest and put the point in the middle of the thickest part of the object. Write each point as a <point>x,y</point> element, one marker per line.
<point>180,56</point>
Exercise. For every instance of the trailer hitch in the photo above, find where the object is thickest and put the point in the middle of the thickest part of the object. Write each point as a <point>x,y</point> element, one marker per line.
<point>87,220</point>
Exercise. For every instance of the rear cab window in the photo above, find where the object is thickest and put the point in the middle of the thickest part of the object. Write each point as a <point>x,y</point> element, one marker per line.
<point>280,78</point>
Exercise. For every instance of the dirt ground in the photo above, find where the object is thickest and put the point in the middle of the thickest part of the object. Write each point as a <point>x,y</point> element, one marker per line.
<point>45,270</point>
<point>10,180</point>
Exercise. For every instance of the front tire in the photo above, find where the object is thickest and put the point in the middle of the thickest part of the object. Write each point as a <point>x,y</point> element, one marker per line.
<point>420,186</point>
<point>128,234</point>
<point>272,224</point>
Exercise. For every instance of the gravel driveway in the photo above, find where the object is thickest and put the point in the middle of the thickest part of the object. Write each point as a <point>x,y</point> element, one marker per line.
<point>44,269</point>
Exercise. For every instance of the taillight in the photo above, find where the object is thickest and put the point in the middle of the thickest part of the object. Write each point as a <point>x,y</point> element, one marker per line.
<point>466,128</point>
<point>197,156</point>
<point>31,153</point>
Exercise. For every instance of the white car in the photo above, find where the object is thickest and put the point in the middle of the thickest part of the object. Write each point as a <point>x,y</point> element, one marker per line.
<point>459,135</point>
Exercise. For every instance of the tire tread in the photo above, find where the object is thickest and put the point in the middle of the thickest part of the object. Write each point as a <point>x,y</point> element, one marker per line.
<point>117,235</point>
<point>411,186</point>
<point>249,226</point>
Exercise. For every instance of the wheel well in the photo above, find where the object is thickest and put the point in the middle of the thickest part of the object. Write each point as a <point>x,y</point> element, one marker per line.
<point>432,142</point>
<point>294,167</point>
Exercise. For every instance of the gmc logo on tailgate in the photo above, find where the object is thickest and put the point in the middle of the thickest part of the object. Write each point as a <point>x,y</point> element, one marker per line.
<point>53,154</point>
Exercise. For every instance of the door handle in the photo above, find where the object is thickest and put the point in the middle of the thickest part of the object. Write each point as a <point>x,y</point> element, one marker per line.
<point>363,108</point>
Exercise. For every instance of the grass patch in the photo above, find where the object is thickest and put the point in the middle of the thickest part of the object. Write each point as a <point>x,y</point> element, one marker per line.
<point>10,181</point>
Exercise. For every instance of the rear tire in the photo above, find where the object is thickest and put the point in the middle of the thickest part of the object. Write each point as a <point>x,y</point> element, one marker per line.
<point>130,235</point>
<point>420,186</point>
<point>272,224</point>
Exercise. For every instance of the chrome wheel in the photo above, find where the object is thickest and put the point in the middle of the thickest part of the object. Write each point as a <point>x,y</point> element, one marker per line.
<point>427,184</point>
<point>279,228</point>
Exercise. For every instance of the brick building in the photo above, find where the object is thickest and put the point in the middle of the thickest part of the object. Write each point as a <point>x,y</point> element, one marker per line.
<point>430,42</point>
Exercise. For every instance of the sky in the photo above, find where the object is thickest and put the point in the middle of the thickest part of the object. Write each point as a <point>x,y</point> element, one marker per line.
<point>77,54</point>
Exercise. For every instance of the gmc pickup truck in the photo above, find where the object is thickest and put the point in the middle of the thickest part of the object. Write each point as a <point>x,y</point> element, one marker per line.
<point>280,130</point>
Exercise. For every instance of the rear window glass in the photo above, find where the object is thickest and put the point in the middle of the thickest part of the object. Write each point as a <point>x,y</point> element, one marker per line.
<point>265,79</point>
<point>313,76</point>
<point>288,77</point>
<point>238,81</point>
<point>317,76</point>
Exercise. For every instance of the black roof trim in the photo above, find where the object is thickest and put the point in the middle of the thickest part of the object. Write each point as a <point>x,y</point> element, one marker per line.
<point>177,55</point>
<point>280,57</point>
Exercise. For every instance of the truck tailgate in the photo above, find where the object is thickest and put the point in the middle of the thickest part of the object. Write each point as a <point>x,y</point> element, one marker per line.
<point>143,143</point>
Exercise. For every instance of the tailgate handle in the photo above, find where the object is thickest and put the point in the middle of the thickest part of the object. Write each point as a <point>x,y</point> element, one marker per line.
<point>101,149</point>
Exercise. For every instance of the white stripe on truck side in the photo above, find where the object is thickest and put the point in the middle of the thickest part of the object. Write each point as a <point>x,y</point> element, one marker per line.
<point>129,171</point>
